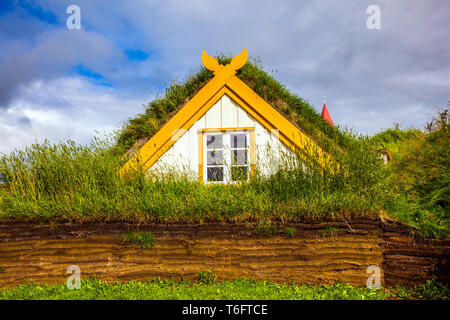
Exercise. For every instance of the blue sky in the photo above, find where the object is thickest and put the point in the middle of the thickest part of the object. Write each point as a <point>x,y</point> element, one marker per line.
<point>62,84</point>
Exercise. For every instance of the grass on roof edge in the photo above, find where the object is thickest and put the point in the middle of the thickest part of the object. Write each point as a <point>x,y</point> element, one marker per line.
<point>175,96</point>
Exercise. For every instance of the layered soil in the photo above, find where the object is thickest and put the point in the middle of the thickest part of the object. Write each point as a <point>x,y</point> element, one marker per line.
<point>318,253</point>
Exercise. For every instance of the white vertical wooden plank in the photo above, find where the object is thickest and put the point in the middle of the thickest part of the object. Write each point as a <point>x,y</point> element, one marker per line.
<point>213,116</point>
<point>201,122</point>
<point>244,119</point>
<point>229,113</point>
<point>193,145</point>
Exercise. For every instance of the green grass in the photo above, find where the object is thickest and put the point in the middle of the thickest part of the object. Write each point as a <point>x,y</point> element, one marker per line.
<point>265,230</point>
<point>238,289</point>
<point>143,239</point>
<point>390,139</point>
<point>330,230</point>
<point>206,277</point>
<point>419,176</point>
<point>69,182</point>
<point>77,183</point>
<point>289,232</point>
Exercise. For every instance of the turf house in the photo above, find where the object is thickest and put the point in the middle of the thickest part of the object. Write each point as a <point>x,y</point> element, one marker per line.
<point>226,132</point>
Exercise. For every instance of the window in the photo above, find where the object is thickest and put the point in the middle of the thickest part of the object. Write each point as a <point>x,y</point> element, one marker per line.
<point>214,156</point>
<point>226,156</point>
<point>239,156</point>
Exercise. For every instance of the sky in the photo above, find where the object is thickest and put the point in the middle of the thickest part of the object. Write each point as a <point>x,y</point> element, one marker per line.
<point>58,83</point>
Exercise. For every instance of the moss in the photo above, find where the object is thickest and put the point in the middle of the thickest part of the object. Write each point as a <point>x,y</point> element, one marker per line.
<point>289,232</point>
<point>144,239</point>
<point>330,230</point>
<point>206,277</point>
<point>265,230</point>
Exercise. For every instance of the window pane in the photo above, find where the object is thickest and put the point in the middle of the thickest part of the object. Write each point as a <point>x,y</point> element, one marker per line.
<point>214,157</point>
<point>215,174</point>
<point>214,141</point>
<point>239,156</point>
<point>238,140</point>
<point>239,173</point>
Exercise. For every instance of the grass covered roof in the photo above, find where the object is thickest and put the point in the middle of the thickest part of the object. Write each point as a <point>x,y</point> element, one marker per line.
<point>136,131</point>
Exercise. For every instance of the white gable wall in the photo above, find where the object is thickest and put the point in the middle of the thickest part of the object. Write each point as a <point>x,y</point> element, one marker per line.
<point>182,157</point>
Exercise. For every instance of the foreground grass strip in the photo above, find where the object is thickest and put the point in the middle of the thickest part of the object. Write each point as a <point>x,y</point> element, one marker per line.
<point>238,289</point>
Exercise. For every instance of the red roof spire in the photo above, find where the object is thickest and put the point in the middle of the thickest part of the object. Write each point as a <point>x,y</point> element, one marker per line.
<point>325,115</point>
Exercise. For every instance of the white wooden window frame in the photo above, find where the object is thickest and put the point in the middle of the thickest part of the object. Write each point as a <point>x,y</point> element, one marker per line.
<point>227,152</point>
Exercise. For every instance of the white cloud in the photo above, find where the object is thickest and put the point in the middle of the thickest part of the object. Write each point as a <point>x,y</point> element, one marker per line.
<point>371,78</point>
<point>80,109</point>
